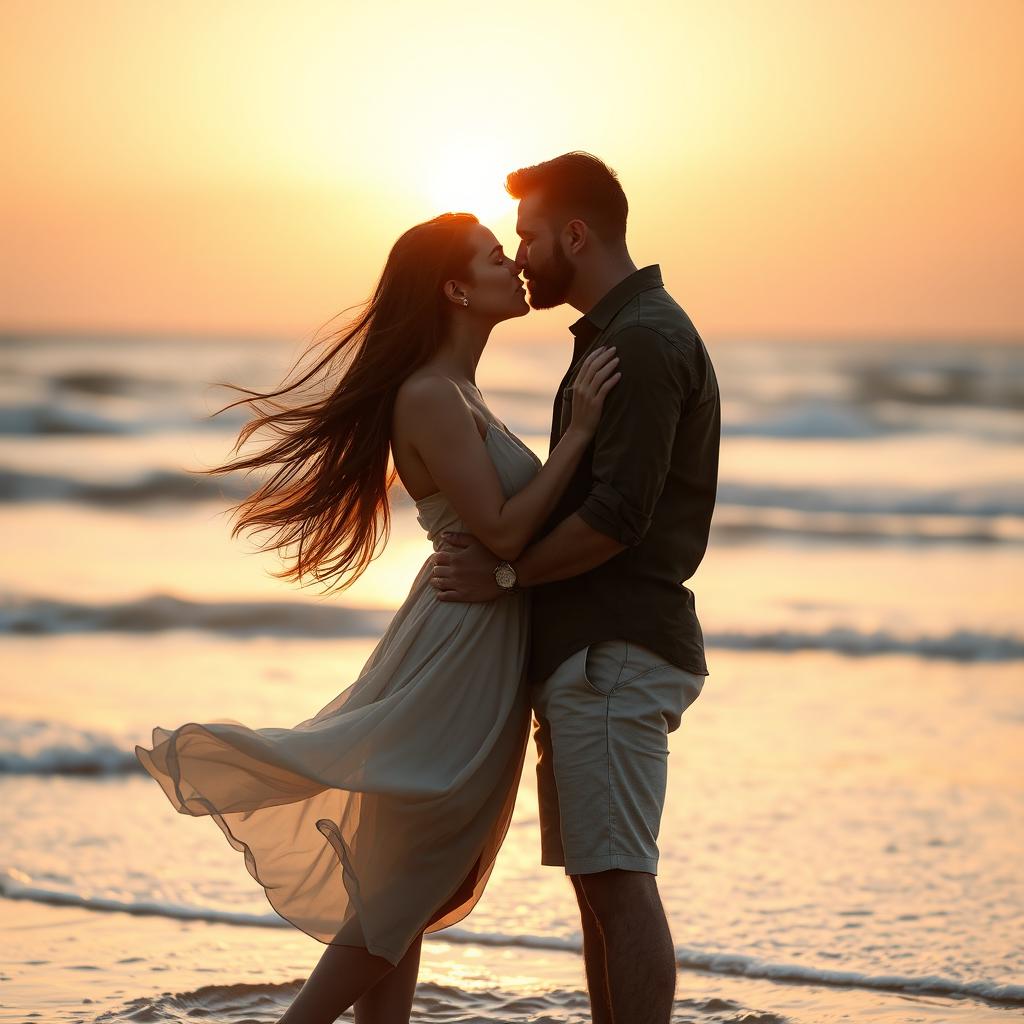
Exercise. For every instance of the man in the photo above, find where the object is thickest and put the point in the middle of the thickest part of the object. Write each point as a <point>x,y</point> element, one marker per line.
<point>617,652</point>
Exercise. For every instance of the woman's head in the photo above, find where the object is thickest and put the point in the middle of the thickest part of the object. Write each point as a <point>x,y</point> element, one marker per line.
<point>328,494</point>
<point>490,288</point>
<point>445,268</point>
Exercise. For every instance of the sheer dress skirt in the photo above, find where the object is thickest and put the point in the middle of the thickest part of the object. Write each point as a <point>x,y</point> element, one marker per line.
<point>380,817</point>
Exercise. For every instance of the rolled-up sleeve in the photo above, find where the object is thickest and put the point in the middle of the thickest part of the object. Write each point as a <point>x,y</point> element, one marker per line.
<point>635,435</point>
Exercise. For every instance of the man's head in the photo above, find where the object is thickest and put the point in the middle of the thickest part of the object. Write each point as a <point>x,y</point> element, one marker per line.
<point>572,210</point>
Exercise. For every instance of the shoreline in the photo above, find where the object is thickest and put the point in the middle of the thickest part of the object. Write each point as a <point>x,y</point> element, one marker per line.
<point>76,964</point>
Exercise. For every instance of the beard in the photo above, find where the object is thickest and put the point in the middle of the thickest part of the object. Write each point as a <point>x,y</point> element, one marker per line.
<point>550,287</point>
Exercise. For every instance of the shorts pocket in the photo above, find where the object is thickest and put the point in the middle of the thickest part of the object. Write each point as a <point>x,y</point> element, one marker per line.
<point>603,664</point>
<point>611,664</point>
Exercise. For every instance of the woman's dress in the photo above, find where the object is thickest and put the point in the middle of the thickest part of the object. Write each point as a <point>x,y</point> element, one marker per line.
<point>381,816</point>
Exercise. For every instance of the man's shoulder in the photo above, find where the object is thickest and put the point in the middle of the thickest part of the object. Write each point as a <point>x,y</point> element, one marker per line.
<point>655,317</point>
<point>661,338</point>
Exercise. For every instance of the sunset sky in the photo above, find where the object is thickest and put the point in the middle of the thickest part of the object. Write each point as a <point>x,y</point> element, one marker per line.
<point>796,168</point>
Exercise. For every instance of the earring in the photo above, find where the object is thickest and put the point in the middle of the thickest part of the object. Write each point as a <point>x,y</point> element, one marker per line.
<point>465,302</point>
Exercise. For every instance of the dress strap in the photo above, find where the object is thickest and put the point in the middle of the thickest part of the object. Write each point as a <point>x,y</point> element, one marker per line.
<point>482,407</point>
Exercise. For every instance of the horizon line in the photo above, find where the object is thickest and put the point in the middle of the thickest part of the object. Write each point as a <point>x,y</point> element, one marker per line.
<point>728,336</point>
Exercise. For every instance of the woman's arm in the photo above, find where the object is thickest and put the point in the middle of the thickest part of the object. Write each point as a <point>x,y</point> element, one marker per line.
<point>449,443</point>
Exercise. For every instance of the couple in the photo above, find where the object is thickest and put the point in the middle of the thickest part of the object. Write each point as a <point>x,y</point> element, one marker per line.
<point>554,590</point>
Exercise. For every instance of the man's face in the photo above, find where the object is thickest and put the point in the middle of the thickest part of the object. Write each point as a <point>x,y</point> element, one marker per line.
<point>541,258</point>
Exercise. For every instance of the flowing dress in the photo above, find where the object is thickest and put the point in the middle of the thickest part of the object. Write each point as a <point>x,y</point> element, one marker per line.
<point>380,817</point>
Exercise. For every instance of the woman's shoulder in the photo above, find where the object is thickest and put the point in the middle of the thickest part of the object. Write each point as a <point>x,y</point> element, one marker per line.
<point>428,395</point>
<point>427,384</point>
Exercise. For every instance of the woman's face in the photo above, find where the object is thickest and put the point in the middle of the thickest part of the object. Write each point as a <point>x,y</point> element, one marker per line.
<point>495,289</point>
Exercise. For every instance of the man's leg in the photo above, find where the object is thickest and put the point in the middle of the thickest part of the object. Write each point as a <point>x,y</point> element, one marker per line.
<point>567,676</point>
<point>640,956</point>
<point>594,959</point>
<point>607,712</point>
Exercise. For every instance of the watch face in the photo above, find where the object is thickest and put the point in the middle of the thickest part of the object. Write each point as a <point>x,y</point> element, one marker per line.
<point>506,576</point>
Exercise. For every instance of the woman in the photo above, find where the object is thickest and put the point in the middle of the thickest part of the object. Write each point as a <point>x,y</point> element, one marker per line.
<point>379,818</point>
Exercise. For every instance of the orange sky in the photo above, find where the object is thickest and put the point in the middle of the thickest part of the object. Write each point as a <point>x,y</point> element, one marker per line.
<point>811,167</point>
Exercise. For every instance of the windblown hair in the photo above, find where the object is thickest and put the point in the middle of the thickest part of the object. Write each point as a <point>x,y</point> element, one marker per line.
<point>329,492</point>
<point>575,184</point>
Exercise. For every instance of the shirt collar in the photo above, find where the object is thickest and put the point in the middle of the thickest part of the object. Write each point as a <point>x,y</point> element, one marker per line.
<point>603,312</point>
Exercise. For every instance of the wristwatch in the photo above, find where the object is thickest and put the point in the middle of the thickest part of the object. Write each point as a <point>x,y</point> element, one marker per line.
<point>505,577</point>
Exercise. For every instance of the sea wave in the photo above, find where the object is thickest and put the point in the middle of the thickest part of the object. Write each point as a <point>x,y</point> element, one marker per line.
<point>734,525</point>
<point>152,487</point>
<point>836,418</point>
<point>43,418</point>
<point>999,498</point>
<point>433,1003</point>
<point>958,645</point>
<point>41,747</point>
<point>155,485</point>
<point>159,612</point>
<point>104,382</point>
<point>822,417</point>
<point>988,514</point>
<point>15,884</point>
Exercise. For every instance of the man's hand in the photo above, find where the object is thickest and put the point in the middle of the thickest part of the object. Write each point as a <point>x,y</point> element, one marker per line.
<point>466,572</point>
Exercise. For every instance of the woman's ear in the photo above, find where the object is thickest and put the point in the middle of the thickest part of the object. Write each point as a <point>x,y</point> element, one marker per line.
<point>453,292</point>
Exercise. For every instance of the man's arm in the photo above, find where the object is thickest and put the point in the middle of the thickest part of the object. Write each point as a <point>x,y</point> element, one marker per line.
<point>466,572</point>
<point>635,436</point>
<point>570,549</point>
<point>632,456</point>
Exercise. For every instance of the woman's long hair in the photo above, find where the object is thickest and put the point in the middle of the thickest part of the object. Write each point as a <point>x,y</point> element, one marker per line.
<point>329,493</point>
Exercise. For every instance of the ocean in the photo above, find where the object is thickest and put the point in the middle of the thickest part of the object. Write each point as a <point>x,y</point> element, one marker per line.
<point>844,827</point>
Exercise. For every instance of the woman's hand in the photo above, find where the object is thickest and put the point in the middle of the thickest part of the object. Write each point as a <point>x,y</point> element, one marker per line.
<point>596,378</point>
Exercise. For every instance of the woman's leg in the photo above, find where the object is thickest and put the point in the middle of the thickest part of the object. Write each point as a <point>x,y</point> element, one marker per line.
<point>390,1000</point>
<point>343,974</point>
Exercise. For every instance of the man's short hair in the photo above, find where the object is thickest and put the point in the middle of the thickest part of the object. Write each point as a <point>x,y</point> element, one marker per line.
<point>575,184</point>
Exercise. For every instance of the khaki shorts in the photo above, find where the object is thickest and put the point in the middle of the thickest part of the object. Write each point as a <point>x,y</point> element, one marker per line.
<point>602,719</point>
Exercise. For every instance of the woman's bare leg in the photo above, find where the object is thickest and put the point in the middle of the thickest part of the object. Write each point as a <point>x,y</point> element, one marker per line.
<point>343,974</point>
<point>390,1000</point>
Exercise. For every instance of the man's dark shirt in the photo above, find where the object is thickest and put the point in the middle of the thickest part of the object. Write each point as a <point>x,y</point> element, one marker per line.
<point>648,479</point>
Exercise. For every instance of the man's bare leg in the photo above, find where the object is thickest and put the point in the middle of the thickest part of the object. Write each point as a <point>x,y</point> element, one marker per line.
<point>594,959</point>
<point>390,1000</point>
<point>341,976</point>
<point>640,957</point>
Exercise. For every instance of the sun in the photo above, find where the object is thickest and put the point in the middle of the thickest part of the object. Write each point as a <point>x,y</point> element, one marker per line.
<point>468,178</point>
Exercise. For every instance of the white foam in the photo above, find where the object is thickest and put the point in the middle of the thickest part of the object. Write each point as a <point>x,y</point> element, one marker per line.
<point>37,747</point>
<point>16,884</point>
